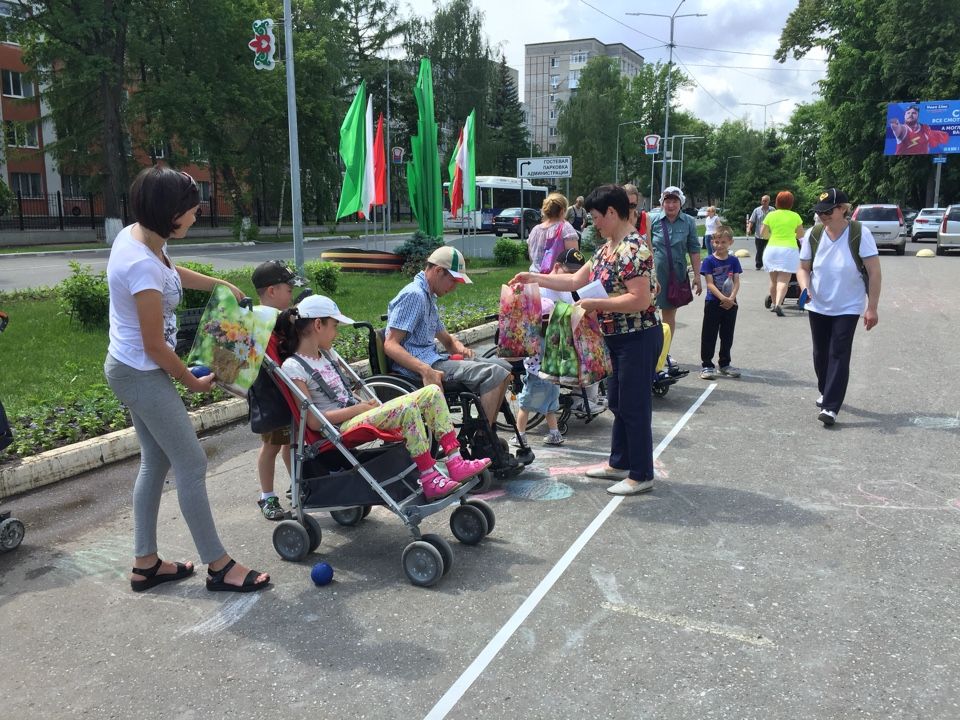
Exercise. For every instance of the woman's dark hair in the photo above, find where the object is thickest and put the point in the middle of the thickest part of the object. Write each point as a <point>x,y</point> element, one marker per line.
<point>784,200</point>
<point>159,195</point>
<point>609,196</point>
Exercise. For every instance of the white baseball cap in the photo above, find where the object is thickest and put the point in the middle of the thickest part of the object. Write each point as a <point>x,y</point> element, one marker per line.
<point>452,260</point>
<point>319,306</point>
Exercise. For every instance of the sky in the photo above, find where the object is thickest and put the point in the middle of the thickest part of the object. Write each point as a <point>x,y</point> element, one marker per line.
<point>728,53</point>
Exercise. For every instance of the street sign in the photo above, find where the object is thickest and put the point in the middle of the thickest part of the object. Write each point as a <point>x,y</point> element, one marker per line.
<point>939,159</point>
<point>545,167</point>
<point>397,155</point>
<point>651,144</point>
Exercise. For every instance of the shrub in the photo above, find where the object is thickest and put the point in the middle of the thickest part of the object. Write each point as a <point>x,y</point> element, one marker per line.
<point>196,298</point>
<point>84,296</point>
<point>508,252</point>
<point>416,250</point>
<point>250,233</point>
<point>589,240</point>
<point>322,275</point>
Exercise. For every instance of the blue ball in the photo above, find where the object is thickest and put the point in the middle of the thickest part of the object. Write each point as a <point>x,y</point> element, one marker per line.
<point>200,371</point>
<point>321,574</point>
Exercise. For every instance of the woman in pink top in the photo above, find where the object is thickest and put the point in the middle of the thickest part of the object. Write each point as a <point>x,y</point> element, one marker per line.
<point>549,239</point>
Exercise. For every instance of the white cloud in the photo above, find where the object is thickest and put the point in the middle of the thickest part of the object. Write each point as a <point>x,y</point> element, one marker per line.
<point>743,26</point>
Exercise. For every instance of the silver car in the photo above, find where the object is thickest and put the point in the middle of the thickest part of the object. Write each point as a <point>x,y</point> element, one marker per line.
<point>927,223</point>
<point>948,237</point>
<point>886,224</point>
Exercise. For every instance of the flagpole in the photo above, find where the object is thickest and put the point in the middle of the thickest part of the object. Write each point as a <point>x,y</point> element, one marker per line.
<point>295,200</point>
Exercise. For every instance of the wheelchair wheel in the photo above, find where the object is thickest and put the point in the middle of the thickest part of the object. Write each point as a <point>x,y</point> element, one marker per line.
<point>11,534</point>
<point>388,387</point>
<point>512,397</point>
<point>485,484</point>
<point>660,389</point>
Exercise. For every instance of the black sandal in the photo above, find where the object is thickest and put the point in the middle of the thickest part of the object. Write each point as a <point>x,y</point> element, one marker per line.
<point>216,582</point>
<point>151,579</point>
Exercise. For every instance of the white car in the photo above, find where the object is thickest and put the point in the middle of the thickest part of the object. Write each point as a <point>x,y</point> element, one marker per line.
<point>886,224</point>
<point>948,236</point>
<point>927,223</point>
<point>701,213</point>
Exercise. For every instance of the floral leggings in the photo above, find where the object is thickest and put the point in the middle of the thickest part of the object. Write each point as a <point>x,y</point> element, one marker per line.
<point>411,414</point>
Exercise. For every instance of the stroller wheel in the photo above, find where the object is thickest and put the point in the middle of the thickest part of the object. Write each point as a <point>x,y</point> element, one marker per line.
<point>11,534</point>
<point>446,552</point>
<point>422,563</point>
<point>469,524</point>
<point>291,540</point>
<point>348,517</point>
<point>313,531</point>
<point>367,510</point>
<point>486,510</point>
<point>768,302</point>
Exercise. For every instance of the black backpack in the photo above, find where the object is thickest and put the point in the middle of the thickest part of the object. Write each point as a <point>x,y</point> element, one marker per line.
<point>269,410</point>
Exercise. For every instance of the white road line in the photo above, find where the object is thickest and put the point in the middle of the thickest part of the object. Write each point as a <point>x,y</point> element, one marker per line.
<point>492,649</point>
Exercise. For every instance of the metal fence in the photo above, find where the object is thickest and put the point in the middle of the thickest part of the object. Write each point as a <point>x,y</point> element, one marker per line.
<point>54,211</point>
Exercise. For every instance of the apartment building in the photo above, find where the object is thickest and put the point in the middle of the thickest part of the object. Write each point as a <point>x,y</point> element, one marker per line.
<point>552,74</point>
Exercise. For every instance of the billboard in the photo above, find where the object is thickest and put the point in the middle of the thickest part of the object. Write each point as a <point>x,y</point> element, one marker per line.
<point>923,128</point>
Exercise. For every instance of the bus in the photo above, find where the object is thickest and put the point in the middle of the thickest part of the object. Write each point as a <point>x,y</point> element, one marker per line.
<point>493,195</point>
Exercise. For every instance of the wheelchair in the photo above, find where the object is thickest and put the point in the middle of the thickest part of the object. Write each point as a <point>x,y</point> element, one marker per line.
<point>476,436</point>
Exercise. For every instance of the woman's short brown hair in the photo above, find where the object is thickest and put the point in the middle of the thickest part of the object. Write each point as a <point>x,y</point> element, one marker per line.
<point>159,195</point>
<point>784,200</point>
<point>554,206</point>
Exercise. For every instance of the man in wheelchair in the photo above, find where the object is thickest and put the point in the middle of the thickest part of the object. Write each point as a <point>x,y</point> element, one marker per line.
<point>414,326</point>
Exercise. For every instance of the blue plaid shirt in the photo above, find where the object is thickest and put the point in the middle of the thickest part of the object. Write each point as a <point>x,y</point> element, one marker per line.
<point>414,311</point>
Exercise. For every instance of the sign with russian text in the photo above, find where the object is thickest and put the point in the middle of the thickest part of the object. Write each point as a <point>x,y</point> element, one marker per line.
<point>923,128</point>
<point>545,167</point>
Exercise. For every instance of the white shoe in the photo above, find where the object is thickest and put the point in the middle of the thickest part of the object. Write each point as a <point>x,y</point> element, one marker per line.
<point>827,417</point>
<point>606,473</point>
<point>820,401</point>
<point>629,487</point>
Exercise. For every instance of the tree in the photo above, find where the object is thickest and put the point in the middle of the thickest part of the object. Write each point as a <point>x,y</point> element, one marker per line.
<point>507,135</point>
<point>588,124</point>
<point>77,51</point>
<point>876,53</point>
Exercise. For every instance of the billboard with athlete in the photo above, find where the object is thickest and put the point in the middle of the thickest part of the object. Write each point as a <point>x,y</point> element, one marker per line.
<point>923,128</point>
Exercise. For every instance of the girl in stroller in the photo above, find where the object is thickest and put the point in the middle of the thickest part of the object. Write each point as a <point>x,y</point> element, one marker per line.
<point>307,332</point>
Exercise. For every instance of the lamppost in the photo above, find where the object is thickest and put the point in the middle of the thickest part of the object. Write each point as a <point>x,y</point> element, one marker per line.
<point>729,158</point>
<point>666,115</point>
<point>683,142</point>
<point>671,160</point>
<point>616,157</point>
<point>765,106</point>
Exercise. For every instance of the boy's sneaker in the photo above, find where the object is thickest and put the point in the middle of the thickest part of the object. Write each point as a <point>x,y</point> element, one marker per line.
<point>708,373</point>
<point>820,401</point>
<point>270,507</point>
<point>553,438</point>
<point>827,417</point>
<point>730,371</point>
<point>519,441</point>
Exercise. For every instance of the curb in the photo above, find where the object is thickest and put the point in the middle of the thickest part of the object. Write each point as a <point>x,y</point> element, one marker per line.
<point>65,462</point>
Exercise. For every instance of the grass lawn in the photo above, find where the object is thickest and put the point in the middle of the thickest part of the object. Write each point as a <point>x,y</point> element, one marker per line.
<point>47,358</point>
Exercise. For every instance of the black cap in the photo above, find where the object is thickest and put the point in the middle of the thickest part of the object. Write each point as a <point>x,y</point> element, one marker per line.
<point>829,199</point>
<point>572,257</point>
<point>275,272</point>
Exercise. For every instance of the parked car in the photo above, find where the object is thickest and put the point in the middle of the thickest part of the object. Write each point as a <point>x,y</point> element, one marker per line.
<point>886,224</point>
<point>926,224</point>
<point>692,212</point>
<point>948,237</point>
<point>508,222</point>
<point>702,213</point>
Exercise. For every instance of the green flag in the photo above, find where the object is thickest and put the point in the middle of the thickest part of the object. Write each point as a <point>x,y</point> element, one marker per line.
<point>423,170</point>
<point>353,150</point>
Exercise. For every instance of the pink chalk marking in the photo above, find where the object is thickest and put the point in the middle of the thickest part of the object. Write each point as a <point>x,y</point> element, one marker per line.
<point>658,467</point>
<point>492,495</point>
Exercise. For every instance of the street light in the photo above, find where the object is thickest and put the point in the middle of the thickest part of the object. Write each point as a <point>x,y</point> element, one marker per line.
<point>765,106</point>
<point>666,120</point>
<point>683,142</point>
<point>671,160</point>
<point>616,157</point>
<point>729,158</point>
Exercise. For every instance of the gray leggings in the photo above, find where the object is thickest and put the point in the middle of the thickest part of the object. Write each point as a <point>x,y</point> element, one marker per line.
<point>166,437</point>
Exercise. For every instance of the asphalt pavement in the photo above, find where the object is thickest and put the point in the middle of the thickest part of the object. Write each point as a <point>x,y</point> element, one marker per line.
<point>779,570</point>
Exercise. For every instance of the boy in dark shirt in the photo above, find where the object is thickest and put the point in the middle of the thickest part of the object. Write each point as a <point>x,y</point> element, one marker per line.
<point>721,271</point>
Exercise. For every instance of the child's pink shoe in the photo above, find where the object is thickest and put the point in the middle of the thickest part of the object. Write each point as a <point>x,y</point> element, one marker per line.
<point>462,470</point>
<point>436,485</point>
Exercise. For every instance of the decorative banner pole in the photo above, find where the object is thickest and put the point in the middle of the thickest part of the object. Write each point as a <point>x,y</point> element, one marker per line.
<point>264,47</point>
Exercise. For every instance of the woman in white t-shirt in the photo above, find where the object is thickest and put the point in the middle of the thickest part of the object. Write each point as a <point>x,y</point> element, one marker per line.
<point>838,295</point>
<point>710,225</point>
<point>552,236</point>
<point>141,365</point>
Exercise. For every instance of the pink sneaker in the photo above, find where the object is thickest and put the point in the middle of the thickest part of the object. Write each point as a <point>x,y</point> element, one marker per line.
<point>436,485</point>
<point>462,470</point>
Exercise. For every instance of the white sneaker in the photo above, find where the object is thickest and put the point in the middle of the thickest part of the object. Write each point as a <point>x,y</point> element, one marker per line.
<point>730,371</point>
<point>708,373</point>
<point>606,473</point>
<point>629,487</point>
<point>553,438</point>
<point>820,401</point>
<point>515,441</point>
<point>827,417</point>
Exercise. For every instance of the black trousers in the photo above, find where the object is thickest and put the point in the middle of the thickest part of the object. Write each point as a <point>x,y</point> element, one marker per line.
<point>832,344</point>
<point>717,322</point>
<point>761,246</point>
